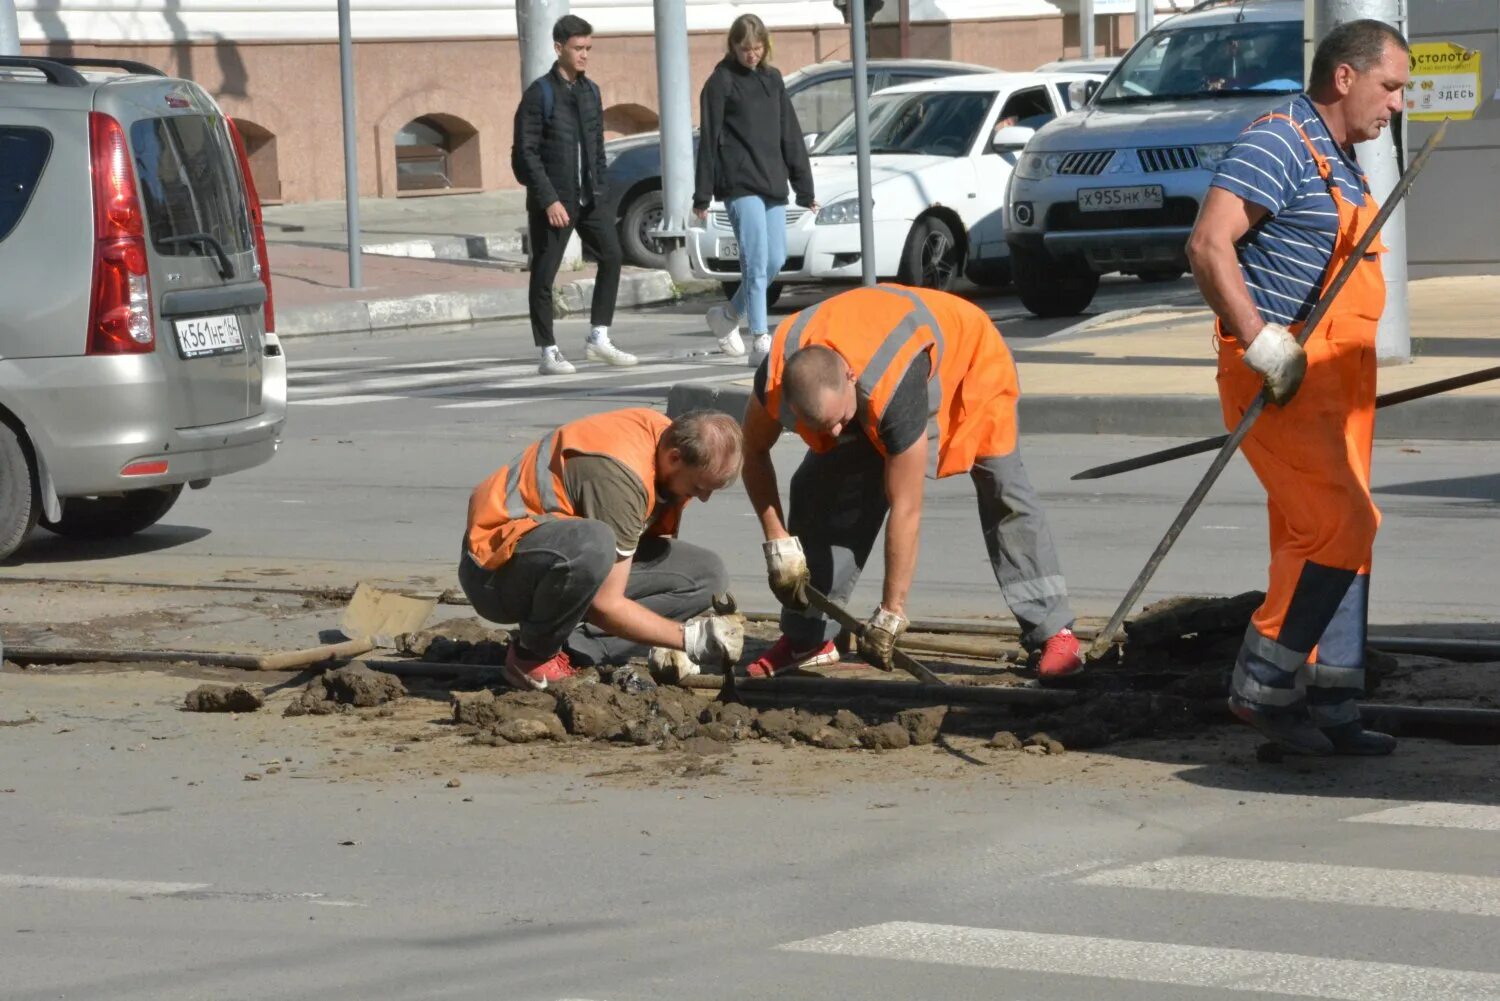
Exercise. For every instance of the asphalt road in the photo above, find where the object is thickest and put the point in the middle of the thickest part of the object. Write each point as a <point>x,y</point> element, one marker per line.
<point>135,862</point>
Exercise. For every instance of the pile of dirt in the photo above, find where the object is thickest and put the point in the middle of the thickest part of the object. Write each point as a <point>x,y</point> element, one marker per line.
<point>678,720</point>
<point>224,699</point>
<point>457,641</point>
<point>352,687</point>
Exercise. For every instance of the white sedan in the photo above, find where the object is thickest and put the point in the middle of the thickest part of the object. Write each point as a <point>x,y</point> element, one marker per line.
<point>941,155</point>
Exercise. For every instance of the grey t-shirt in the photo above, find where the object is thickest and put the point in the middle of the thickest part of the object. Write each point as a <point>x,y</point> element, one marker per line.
<point>905,419</point>
<point>606,490</point>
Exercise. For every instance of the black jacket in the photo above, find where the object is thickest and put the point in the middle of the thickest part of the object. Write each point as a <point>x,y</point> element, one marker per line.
<point>545,157</point>
<point>751,142</point>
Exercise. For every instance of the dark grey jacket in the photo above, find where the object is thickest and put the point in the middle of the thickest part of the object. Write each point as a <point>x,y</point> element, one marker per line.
<point>751,142</point>
<point>545,157</point>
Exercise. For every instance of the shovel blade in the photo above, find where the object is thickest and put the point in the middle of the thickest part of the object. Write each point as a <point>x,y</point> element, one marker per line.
<point>380,616</point>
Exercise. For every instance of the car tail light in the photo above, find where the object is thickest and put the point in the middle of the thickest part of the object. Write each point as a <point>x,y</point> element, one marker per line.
<point>257,221</point>
<point>155,467</point>
<point>120,318</point>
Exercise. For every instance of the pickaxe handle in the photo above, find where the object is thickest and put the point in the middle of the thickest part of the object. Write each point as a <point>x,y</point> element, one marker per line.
<point>836,612</point>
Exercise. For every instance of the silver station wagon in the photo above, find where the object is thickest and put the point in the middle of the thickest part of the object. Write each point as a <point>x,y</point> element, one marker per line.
<point>134,353</point>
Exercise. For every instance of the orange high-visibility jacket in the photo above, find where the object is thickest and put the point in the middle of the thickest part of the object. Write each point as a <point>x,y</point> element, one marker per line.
<point>530,490</point>
<point>879,331</point>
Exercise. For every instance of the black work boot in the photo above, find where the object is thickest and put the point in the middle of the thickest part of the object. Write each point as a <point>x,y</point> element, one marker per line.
<point>1353,739</point>
<point>1291,730</point>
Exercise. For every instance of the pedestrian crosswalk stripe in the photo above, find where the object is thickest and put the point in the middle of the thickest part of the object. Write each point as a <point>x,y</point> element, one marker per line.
<point>339,401</point>
<point>1462,816</point>
<point>1302,881</point>
<point>87,884</point>
<point>375,382</point>
<point>1154,962</point>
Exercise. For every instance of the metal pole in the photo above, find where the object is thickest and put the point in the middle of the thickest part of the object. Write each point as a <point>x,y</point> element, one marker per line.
<point>903,19</point>
<point>674,92</point>
<point>534,21</point>
<point>1086,28</point>
<point>351,159</point>
<point>862,141</point>
<point>1382,166</point>
<point>1145,15</point>
<point>10,29</point>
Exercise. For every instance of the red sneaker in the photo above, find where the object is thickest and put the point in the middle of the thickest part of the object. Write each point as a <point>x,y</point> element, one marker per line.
<point>521,671</point>
<point>1060,657</point>
<point>781,657</point>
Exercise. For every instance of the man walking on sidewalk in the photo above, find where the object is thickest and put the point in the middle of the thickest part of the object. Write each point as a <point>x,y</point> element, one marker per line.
<point>558,154</point>
<point>1282,215</point>
<point>575,541</point>
<point>889,385</point>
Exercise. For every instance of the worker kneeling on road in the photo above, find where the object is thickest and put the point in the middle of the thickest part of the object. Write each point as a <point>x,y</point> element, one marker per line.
<point>889,385</point>
<point>574,540</point>
<point>1283,214</point>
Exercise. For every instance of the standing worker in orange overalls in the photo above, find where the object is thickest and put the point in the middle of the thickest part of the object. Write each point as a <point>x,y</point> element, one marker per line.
<point>890,385</point>
<point>1285,209</point>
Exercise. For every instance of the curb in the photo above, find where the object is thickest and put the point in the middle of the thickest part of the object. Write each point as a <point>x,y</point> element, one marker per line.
<point>359,316</point>
<point>1458,418</point>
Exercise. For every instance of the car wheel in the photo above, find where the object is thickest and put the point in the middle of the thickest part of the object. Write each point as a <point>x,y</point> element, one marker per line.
<point>931,257</point>
<point>1164,275</point>
<point>773,291</point>
<point>641,216</point>
<point>1052,288</point>
<point>113,516</point>
<point>20,503</point>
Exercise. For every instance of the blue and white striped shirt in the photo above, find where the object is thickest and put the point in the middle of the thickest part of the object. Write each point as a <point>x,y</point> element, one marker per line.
<point>1285,258</point>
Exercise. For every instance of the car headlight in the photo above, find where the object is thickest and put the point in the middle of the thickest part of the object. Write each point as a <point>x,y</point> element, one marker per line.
<point>1209,154</point>
<point>1037,166</point>
<point>839,213</point>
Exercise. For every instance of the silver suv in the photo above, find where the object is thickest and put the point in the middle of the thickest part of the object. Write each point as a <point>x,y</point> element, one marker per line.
<point>134,356</point>
<point>1116,185</point>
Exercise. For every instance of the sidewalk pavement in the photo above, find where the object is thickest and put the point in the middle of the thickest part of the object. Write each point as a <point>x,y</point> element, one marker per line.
<point>1151,372</point>
<point>435,260</point>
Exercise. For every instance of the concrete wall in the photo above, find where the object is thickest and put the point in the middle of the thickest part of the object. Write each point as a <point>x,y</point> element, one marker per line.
<point>1453,212</point>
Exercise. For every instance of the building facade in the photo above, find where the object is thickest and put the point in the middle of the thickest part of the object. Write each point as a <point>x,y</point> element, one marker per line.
<point>437,81</point>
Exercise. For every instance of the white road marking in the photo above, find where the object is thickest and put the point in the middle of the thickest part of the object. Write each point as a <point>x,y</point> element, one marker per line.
<point>1462,816</point>
<point>1154,962</point>
<point>1358,886</point>
<point>377,383</point>
<point>305,363</point>
<point>339,401</point>
<point>18,881</point>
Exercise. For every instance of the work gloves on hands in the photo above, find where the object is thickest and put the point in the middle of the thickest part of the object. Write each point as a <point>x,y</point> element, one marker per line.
<point>786,567</point>
<point>714,639</point>
<point>877,644</point>
<point>1277,356</point>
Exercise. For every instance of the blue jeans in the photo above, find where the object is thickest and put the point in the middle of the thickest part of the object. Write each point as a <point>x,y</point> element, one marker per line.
<point>760,229</point>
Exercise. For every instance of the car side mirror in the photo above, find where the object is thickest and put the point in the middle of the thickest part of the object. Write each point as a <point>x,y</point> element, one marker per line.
<point>810,139</point>
<point>1011,139</point>
<point>1079,92</point>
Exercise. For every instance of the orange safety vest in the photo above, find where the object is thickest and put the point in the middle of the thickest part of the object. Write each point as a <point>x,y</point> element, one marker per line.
<point>1313,454</point>
<point>519,496</point>
<point>879,331</point>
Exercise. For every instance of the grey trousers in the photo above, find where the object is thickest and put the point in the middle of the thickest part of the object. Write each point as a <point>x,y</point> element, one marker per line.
<point>548,584</point>
<point>838,504</point>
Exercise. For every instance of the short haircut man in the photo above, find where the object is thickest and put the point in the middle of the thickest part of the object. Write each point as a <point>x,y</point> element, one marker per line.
<point>571,26</point>
<point>1357,43</point>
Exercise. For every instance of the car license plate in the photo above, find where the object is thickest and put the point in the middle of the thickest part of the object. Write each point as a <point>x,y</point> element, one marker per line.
<point>209,335</point>
<point>1145,196</point>
<point>729,250</point>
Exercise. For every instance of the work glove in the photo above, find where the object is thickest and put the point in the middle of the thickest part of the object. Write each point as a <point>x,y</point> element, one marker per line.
<point>1277,356</point>
<point>786,566</point>
<point>877,644</point>
<point>714,639</point>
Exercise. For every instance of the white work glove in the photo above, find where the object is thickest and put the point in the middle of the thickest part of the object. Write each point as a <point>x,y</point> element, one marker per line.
<point>877,644</point>
<point>1276,355</point>
<point>786,568</point>
<point>714,639</point>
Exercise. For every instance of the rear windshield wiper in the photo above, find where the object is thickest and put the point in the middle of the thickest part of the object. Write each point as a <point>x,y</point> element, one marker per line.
<point>226,269</point>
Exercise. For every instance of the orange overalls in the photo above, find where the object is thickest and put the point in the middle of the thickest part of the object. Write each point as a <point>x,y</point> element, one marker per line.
<point>1307,640</point>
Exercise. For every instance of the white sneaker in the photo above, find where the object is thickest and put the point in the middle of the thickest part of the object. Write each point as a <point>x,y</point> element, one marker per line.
<point>760,347</point>
<point>553,363</point>
<point>603,350</point>
<point>726,327</point>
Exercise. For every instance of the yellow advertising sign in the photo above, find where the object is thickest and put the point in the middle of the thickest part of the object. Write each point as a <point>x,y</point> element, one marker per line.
<point>1444,82</point>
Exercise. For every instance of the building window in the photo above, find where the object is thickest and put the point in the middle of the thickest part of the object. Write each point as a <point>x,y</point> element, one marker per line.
<point>436,153</point>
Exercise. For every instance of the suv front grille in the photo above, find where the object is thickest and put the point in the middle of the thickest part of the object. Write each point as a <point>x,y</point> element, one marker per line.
<point>1168,158</point>
<point>1086,164</point>
<point>1176,212</point>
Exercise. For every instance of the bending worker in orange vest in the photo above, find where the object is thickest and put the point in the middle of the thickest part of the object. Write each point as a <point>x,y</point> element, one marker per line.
<point>889,385</point>
<point>1284,210</point>
<point>574,541</point>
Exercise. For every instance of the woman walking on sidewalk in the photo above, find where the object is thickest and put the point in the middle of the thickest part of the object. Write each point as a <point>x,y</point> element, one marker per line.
<point>749,149</point>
